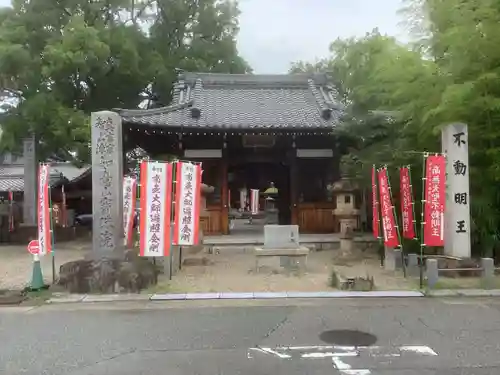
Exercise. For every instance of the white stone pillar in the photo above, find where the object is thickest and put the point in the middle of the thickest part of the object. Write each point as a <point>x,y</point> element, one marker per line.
<point>455,144</point>
<point>30,182</point>
<point>107,182</point>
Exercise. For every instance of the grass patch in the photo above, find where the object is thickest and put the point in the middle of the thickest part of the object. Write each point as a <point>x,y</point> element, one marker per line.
<point>35,298</point>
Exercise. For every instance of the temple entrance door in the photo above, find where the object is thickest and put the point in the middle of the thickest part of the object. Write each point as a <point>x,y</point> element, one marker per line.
<point>273,208</point>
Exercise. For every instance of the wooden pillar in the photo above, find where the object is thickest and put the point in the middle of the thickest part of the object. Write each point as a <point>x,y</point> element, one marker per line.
<point>294,188</point>
<point>223,178</point>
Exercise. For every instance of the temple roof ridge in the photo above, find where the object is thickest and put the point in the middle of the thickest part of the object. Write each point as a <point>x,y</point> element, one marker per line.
<point>270,80</point>
<point>244,101</point>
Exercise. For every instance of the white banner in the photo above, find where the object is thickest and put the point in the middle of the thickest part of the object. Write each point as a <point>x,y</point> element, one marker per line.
<point>155,204</point>
<point>243,199</point>
<point>187,203</point>
<point>43,203</point>
<point>254,201</point>
<point>129,200</point>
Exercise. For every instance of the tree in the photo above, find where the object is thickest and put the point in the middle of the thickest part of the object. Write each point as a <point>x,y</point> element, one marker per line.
<point>61,60</point>
<point>194,35</point>
<point>453,75</point>
<point>463,43</point>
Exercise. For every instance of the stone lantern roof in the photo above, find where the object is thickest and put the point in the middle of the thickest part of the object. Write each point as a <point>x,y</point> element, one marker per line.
<point>345,184</point>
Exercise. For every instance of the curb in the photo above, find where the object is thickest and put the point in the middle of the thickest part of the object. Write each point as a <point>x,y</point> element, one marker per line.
<point>463,293</point>
<point>78,298</point>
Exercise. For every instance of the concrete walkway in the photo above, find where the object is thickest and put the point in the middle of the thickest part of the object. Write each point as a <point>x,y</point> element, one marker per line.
<point>87,298</point>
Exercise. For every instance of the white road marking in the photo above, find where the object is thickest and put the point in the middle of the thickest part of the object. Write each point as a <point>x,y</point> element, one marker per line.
<point>329,354</point>
<point>318,347</point>
<point>271,351</point>
<point>346,369</point>
<point>339,354</point>
<point>424,350</point>
<point>345,351</point>
<point>339,365</point>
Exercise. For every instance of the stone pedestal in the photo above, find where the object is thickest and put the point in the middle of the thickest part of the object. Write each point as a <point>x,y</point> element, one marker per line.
<point>346,245</point>
<point>281,236</point>
<point>107,183</point>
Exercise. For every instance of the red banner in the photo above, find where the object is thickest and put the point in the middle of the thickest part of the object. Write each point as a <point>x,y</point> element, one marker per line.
<point>406,203</point>
<point>43,204</point>
<point>435,195</point>
<point>375,219</point>
<point>388,221</point>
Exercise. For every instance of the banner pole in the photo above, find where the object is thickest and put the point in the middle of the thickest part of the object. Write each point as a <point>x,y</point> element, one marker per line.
<point>172,217</point>
<point>422,222</point>
<point>396,222</point>
<point>412,204</point>
<point>377,208</point>
<point>52,234</point>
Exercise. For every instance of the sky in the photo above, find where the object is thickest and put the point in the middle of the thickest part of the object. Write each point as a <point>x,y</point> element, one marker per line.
<point>275,33</point>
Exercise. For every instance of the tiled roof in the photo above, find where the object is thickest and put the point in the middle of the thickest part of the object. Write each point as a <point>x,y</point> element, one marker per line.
<point>11,183</point>
<point>12,176</point>
<point>237,101</point>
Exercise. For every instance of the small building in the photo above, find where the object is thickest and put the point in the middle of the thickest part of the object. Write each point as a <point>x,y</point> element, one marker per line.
<point>250,131</point>
<point>12,183</point>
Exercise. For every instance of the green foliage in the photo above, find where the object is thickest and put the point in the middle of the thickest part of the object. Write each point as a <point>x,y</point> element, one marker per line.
<point>450,73</point>
<point>61,60</point>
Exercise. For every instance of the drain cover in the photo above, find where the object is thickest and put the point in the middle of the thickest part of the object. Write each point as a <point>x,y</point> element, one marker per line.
<point>346,337</point>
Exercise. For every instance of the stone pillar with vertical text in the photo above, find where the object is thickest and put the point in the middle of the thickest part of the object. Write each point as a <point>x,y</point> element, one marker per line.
<point>455,144</point>
<point>107,182</point>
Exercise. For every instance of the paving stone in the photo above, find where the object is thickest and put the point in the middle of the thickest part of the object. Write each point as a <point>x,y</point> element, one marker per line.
<point>116,297</point>
<point>69,298</point>
<point>230,295</point>
<point>191,296</point>
<point>270,295</point>
<point>168,297</point>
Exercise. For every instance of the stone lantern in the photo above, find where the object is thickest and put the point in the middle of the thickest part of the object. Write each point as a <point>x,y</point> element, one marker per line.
<point>347,214</point>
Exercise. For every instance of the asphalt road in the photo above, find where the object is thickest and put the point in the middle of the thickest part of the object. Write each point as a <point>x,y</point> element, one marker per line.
<point>295,337</point>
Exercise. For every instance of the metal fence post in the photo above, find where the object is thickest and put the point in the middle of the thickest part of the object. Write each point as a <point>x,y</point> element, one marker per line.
<point>432,272</point>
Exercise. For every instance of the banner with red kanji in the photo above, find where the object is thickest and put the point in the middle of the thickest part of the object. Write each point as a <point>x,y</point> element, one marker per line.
<point>156,208</point>
<point>43,209</point>
<point>406,200</point>
<point>389,228</point>
<point>434,200</point>
<point>187,203</point>
<point>376,218</point>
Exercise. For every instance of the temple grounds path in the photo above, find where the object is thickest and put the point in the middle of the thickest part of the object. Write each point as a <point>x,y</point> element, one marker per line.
<point>224,272</point>
<point>234,272</point>
<point>16,263</point>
